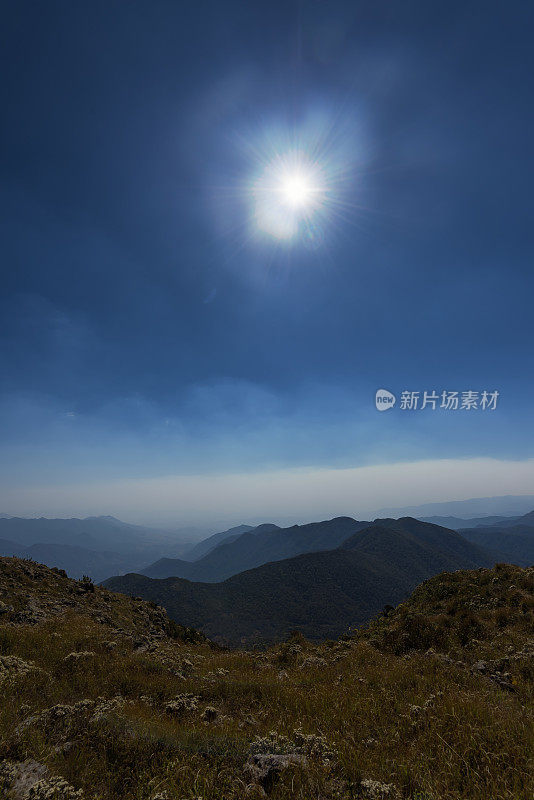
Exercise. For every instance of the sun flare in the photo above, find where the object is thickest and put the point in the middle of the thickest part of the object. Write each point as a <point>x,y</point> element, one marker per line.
<point>297,190</point>
<point>287,195</point>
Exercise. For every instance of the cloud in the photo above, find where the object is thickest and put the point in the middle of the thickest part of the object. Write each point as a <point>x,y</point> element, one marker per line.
<point>303,494</point>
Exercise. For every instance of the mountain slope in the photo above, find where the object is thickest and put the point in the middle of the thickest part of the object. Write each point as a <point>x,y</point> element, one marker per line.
<point>258,546</point>
<point>469,615</point>
<point>320,593</point>
<point>102,696</point>
<point>408,541</point>
<point>515,542</point>
<point>32,593</point>
<point>526,519</point>
<point>9,548</point>
<point>207,545</point>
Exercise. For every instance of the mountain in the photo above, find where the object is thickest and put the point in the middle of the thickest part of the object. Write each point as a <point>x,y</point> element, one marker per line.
<point>76,561</point>
<point>458,524</point>
<point>258,546</point>
<point>9,548</point>
<point>526,519</point>
<point>207,545</point>
<point>105,696</point>
<point>513,538</point>
<point>516,543</point>
<point>95,533</point>
<point>318,593</point>
<point>408,541</point>
<point>507,505</point>
<point>95,546</point>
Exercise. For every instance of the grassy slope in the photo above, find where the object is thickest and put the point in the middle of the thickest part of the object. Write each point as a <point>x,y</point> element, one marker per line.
<point>431,727</point>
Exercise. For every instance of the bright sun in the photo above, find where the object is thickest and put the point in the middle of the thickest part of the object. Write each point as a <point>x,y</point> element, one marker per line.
<point>287,195</point>
<point>302,176</point>
<point>297,190</point>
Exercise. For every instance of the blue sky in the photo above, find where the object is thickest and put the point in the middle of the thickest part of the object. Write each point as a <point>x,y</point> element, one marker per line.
<point>151,329</point>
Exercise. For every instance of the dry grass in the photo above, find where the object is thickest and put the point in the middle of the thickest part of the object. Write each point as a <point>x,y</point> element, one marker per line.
<point>424,725</point>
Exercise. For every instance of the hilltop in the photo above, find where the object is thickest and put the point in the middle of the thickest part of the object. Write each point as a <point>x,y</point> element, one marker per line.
<point>103,698</point>
<point>468,614</point>
<point>32,594</point>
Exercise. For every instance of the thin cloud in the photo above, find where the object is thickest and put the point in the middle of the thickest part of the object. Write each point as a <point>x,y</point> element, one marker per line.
<point>305,494</point>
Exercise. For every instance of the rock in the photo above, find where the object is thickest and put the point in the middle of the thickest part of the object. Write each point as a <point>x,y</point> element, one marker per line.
<point>21,777</point>
<point>210,714</point>
<point>31,780</point>
<point>492,670</point>
<point>81,657</point>
<point>181,704</point>
<point>313,661</point>
<point>265,768</point>
<point>374,790</point>
<point>187,667</point>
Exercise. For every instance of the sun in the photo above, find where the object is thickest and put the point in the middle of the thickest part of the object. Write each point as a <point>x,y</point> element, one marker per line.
<point>287,195</point>
<point>297,190</point>
<point>300,179</point>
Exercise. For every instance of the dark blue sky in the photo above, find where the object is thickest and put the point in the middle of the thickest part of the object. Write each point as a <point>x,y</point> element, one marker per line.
<point>147,330</point>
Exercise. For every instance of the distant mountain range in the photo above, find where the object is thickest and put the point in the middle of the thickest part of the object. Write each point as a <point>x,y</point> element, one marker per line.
<point>76,561</point>
<point>258,546</point>
<point>95,546</point>
<point>236,552</point>
<point>105,546</point>
<point>102,546</point>
<point>515,543</point>
<point>512,537</point>
<point>320,593</point>
<point>458,523</point>
<point>506,505</point>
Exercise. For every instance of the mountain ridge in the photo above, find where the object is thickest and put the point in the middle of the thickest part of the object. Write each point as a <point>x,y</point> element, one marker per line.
<point>512,505</point>
<point>205,546</point>
<point>319,593</point>
<point>255,547</point>
<point>95,546</point>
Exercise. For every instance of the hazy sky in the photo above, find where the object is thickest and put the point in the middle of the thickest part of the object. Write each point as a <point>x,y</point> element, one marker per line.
<point>163,353</point>
<point>286,496</point>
